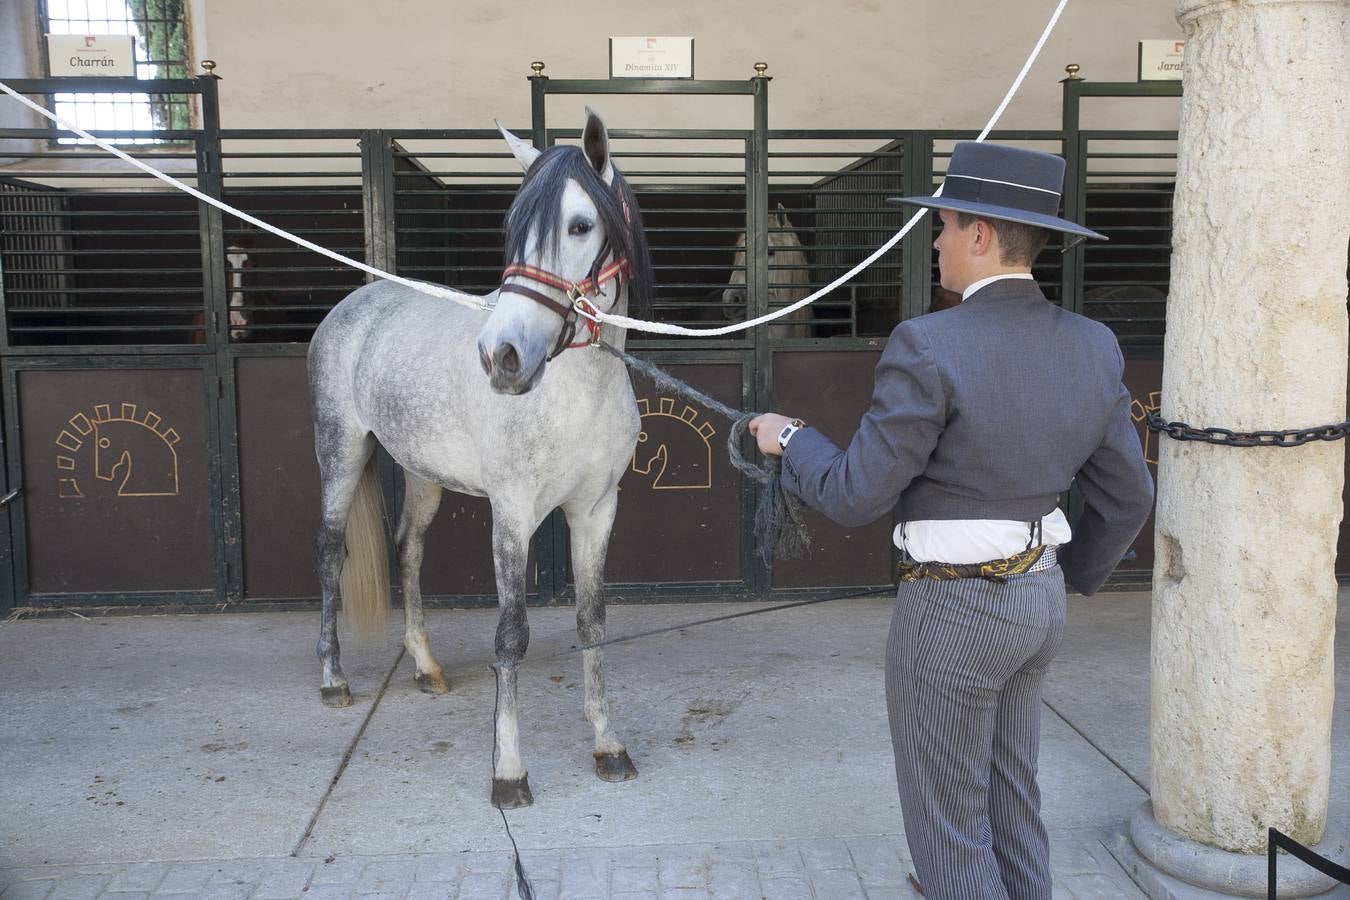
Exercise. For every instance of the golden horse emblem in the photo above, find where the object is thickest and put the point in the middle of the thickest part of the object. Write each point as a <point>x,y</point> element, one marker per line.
<point>673,448</point>
<point>133,450</point>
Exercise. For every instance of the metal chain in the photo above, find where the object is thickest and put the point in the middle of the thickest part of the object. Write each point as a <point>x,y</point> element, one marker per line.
<point>1180,431</point>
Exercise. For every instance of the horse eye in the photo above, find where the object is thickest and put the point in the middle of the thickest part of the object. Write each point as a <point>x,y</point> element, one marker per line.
<point>580,227</point>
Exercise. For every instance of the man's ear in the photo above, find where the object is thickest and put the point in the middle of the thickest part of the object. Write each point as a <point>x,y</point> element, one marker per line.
<point>985,240</point>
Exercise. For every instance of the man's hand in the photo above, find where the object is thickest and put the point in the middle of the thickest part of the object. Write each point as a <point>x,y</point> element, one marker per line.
<point>765,428</point>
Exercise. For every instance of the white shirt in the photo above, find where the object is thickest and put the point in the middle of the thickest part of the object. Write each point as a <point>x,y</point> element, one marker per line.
<point>965,295</point>
<point>965,541</point>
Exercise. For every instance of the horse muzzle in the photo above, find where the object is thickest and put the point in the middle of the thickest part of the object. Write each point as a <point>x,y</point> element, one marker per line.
<point>509,369</point>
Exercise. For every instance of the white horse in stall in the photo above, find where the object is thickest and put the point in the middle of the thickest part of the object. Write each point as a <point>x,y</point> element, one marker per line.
<point>789,277</point>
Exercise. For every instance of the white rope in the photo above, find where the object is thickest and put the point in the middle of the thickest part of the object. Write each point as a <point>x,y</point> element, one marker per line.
<point>664,328</point>
<point>434,290</point>
<point>479,302</point>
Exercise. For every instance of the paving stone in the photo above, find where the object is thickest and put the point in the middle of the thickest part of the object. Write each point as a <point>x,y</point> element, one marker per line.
<point>387,876</point>
<point>328,892</point>
<point>733,880</point>
<point>28,890</point>
<point>1101,887</point>
<point>779,860</point>
<point>585,874</point>
<point>785,889</point>
<point>186,878</point>
<point>283,879</point>
<point>635,895</point>
<point>485,886</point>
<point>226,892</point>
<point>684,894</point>
<point>138,877</point>
<point>439,868</point>
<point>826,854</point>
<point>633,880</point>
<point>431,890</point>
<point>892,892</point>
<point>682,867</point>
<point>876,861</point>
<point>78,887</point>
<point>489,863</point>
<point>344,870</point>
<point>837,884</point>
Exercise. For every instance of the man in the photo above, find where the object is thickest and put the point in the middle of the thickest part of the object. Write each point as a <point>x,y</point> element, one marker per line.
<point>980,418</point>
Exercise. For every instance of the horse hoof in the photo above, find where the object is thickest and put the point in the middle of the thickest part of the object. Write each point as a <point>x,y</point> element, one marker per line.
<point>336,697</point>
<point>511,794</point>
<point>431,684</point>
<point>615,766</point>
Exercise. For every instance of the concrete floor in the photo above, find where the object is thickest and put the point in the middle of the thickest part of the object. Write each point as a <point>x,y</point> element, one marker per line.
<point>202,737</point>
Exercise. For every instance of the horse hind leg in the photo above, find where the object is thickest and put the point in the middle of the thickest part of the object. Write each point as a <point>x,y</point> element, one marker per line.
<point>420,501</point>
<point>510,545</point>
<point>342,465</point>
<point>590,528</point>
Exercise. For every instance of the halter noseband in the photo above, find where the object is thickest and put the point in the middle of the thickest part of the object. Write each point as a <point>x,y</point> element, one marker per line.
<point>576,294</point>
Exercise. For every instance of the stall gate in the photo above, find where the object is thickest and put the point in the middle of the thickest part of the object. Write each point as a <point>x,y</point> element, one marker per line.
<point>157,433</point>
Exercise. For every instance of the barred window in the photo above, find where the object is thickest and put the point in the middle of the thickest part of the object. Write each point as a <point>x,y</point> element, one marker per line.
<point>161,51</point>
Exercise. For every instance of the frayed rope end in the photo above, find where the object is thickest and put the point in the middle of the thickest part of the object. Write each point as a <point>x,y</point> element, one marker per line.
<point>780,530</point>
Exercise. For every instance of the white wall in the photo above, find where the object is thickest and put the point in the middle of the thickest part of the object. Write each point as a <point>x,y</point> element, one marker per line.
<point>849,64</point>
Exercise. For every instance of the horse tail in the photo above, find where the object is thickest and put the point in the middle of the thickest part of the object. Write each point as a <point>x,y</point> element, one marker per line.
<point>365,573</point>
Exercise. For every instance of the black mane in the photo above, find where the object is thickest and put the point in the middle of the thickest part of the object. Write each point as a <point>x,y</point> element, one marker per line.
<point>539,202</point>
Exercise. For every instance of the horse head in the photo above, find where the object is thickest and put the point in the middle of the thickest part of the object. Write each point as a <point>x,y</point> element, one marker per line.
<point>573,220</point>
<point>785,249</point>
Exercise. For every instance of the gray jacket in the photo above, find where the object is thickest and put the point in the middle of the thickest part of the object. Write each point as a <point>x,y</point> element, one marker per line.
<point>988,411</point>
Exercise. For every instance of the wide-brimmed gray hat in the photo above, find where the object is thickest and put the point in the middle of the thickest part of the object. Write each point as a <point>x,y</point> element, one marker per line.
<point>1001,182</point>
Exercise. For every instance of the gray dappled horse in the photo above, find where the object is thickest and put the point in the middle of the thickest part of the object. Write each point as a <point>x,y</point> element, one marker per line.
<point>461,399</point>
<point>789,277</point>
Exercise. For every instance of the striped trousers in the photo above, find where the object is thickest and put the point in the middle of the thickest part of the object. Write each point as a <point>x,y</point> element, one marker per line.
<point>964,666</point>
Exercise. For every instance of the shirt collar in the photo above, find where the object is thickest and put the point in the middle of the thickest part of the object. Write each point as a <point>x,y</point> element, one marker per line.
<point>983,282</point>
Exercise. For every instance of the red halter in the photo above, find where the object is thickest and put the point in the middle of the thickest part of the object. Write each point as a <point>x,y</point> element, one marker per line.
<point>576,295</point>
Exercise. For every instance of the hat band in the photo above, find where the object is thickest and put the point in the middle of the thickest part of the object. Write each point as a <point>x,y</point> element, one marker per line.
<point>1001,193</point>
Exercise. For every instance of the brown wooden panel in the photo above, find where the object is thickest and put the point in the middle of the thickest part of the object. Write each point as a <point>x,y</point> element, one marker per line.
<point>831,390</point>
<point>280,496</point>
<point>679,516</point>
<point>278,477</point>
<point>459,549</point>
<point>1143,379</point>
<point>116,480</point>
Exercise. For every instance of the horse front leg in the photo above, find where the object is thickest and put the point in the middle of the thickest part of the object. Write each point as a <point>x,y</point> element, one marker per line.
<point>510,545</point>
<point>420,501</point>
<point>590,527</point>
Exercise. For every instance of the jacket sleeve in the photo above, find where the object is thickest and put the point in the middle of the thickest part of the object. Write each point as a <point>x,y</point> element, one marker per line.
<point>891,447</point>
<point>1117,492</point>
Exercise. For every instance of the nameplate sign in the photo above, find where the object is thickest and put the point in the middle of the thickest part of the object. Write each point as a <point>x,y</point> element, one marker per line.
<point>651,57</point>
<point>91,54</point>
<point>1160,60</point>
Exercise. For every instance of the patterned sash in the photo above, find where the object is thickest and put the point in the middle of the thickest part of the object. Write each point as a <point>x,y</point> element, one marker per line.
<point>996,570</point>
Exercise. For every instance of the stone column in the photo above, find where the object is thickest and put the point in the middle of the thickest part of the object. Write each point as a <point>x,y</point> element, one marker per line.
<point>1244,596</point>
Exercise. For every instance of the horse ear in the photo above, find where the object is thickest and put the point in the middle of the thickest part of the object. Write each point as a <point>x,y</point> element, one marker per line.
<point>524,153</point>
<point>780,219</point>
<point>595,143</point>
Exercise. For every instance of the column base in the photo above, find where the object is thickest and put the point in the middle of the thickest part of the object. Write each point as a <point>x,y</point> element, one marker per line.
<point>1167,866</point>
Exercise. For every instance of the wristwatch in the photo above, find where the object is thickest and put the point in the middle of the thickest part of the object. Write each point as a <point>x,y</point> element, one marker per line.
<point>788,431</point>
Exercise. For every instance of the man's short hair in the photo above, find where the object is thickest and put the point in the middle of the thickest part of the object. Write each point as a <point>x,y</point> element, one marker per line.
<point>1018,244</point>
